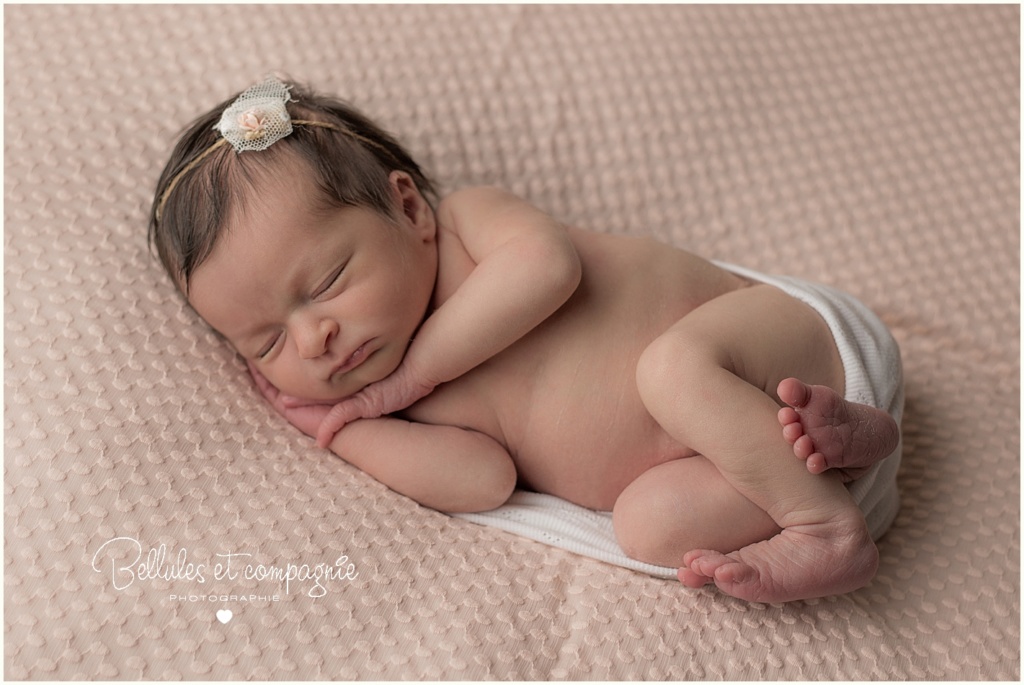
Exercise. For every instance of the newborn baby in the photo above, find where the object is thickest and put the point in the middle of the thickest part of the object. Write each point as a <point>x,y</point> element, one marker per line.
<point>459,351</point>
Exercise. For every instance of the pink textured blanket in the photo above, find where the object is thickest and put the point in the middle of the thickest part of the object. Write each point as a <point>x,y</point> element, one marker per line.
<point>162,522</point>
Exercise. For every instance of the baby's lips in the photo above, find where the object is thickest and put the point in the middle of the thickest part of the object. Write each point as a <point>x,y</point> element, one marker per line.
<point>352,361</point>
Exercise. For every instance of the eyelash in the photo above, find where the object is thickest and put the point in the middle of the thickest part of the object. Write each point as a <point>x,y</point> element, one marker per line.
<point>327,286</point>
<point>331,281</point>
<point>267,350</point>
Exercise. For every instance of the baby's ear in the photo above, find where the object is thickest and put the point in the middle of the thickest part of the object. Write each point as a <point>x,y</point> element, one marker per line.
<point>413,206</point>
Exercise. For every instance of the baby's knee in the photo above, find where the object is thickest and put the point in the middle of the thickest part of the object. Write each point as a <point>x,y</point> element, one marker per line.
<point>683,505</point>
<point>672,366</point>
<point>644,528</point>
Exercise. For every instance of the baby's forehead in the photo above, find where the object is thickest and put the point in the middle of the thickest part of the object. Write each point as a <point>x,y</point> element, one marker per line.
<point>264,187</point>
<point>259,173</point>
<point>291,181</point>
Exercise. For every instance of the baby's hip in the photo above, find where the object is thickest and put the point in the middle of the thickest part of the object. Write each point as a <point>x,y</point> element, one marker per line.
<point>870,355</point>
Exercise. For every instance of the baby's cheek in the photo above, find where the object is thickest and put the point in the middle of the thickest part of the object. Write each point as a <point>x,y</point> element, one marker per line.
<point>296,385</point>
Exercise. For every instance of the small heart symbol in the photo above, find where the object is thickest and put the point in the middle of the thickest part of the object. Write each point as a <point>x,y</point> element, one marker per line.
<point>224,615</point>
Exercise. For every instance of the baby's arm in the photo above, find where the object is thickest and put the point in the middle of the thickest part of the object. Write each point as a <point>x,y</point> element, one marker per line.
<point>443,467</point>
<point>526,267</point>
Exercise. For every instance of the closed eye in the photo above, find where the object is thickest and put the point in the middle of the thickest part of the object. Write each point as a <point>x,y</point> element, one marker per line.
<point>330,280</point>
<point>268,348</point>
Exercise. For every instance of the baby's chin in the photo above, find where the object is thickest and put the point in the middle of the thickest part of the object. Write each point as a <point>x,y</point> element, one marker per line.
<point>377,367</point>
<point>324,393</point>
<point>321,395</point>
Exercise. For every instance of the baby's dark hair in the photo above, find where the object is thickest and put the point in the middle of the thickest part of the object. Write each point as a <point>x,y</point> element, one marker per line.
<point>350,163</point>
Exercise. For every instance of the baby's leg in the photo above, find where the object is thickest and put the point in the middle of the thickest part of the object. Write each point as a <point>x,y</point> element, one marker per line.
<point>710,382</point>
<point>682,505</point>
<point>828,432</point>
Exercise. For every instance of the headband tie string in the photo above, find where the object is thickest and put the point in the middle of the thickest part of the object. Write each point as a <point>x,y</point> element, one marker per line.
<point>257,119</point>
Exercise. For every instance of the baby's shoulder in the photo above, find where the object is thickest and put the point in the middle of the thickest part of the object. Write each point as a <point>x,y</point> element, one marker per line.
<point>483,196</point>
<point>476,208</point>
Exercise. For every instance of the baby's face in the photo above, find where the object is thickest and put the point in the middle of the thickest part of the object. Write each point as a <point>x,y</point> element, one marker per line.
<point>322,303</point>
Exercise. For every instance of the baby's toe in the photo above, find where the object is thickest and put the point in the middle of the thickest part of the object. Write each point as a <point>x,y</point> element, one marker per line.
<point>816,463</point>
<point>794,392</point>
<point>692,579</point>
<point>728,576</point>
<point>788,416</point>
<point>792,432</point>
<point>705,562</point>
<point>803,447</point>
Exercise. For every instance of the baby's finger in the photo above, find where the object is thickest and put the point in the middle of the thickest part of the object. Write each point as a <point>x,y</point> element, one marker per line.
<point>328,427</point>
<point>262,384</point>
<point>256,375</point>
<point>325,434</point>
<point>336,419</point>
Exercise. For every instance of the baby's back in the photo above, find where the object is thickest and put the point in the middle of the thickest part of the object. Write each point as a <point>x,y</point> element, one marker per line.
<point>563,399</point>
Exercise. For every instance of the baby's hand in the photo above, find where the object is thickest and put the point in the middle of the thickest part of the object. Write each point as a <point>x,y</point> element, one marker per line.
<point>394,393</point>
<point>305,415</point>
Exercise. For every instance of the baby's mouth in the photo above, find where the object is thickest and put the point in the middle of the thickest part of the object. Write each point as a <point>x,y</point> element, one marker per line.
<point>354,360</point>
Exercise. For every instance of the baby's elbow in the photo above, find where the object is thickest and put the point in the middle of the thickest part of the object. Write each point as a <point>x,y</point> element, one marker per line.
<point>562,266</point>
<point>502,487</point>
<point>491,489</point>
<point>572,271</point>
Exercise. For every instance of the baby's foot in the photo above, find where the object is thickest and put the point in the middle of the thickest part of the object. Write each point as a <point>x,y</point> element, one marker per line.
<point>801,562</point>
<point>828,432</point>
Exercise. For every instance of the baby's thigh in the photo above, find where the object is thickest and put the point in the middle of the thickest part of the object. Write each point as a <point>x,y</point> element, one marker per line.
<point>682,505</point>
<point>759,333</point>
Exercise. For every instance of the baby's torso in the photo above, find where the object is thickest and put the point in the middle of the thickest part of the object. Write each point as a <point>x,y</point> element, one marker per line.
<point>563,400</point>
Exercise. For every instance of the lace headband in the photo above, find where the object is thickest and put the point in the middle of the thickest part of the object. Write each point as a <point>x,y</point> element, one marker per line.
<point>256,120</point>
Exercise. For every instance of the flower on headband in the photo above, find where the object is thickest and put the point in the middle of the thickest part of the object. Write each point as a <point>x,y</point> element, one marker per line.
<point>252,121</point>
<point>258,118</point>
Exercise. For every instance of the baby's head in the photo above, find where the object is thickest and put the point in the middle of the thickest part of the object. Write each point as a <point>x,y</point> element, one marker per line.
<point>349,156</point>
<point>311,251</point>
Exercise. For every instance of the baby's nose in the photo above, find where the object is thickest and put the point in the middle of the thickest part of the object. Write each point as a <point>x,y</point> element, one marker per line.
<point>315,339</point>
